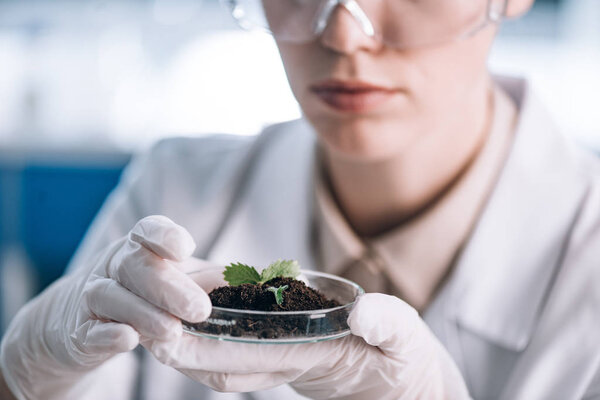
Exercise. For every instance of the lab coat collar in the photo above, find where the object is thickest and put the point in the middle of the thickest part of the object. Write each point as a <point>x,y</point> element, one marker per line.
<point>507,268</point>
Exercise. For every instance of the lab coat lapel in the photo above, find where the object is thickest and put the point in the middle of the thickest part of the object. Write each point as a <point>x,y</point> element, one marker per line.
<point>504,274</point>
<point>273,217</point>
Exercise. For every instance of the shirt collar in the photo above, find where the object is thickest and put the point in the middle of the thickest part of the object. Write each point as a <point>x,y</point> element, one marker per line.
<point>337,243</point>
<point>416,256</point>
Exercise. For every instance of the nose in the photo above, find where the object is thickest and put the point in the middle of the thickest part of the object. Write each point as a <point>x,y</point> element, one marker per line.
<point>344,27</point>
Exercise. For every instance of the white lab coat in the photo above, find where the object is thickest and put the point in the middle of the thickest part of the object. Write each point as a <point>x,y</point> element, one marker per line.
<point>520,314</point>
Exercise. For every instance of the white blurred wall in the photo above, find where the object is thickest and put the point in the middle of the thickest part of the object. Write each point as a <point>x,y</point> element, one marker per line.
<point>125,73</point>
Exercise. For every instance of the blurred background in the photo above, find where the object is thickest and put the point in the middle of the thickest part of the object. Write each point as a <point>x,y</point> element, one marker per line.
<point>84,84</point>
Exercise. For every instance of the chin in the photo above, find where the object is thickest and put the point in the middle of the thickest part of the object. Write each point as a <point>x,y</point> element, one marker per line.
<point>361,139</point>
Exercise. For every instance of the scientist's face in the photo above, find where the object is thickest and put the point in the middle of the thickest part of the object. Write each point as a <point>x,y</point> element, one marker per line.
<point>371,101</point>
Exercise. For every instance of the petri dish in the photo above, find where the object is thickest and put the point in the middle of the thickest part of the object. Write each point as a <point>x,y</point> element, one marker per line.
<point>278,327</point>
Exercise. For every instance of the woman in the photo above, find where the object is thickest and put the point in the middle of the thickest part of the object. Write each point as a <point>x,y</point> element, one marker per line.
<point>428,180</point>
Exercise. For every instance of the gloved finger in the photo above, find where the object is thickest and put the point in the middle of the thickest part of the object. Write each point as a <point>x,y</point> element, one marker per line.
<point>99,337</point>
<point>227,382</point>
<point>161,283</point>
<point>163,237</point>
<point>192,352</point>
<point>107,300</point>
<point>385,322</point>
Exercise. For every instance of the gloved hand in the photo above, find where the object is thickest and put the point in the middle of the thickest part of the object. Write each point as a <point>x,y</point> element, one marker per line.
<point>391,354</point>
<point>135,288</point>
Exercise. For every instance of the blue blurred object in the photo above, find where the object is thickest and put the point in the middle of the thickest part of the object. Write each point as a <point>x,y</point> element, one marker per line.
<point>47,201</point>
<point>57,206</point>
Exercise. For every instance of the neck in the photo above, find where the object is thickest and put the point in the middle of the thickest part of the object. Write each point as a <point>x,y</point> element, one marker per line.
<point>376,196</point>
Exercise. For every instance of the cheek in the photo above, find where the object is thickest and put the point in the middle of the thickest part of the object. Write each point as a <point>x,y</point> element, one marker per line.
<point>302,66</point>
<point>451,74</point>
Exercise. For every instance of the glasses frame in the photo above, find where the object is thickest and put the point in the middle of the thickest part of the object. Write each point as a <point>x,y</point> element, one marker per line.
<point>496,13</point>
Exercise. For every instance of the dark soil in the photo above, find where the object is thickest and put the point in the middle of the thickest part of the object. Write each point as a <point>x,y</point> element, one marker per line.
<point>297,297</point>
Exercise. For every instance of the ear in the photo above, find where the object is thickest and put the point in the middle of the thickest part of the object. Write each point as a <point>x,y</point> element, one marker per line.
<point>516,8</point>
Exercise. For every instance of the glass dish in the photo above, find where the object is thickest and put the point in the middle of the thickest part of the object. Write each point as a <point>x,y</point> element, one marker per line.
<point>278,327</point>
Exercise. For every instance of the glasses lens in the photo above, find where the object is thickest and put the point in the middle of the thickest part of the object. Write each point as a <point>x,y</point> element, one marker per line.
<point>399,23</point>
<point>287,20</point>
<point>292,20</point>
<point>404,23</point>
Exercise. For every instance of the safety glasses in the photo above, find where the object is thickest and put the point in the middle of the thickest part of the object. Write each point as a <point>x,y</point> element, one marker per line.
<point>399,24</point>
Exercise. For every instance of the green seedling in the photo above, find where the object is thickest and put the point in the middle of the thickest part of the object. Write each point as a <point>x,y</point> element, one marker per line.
<point>278,292</point>
<point>237,273</point>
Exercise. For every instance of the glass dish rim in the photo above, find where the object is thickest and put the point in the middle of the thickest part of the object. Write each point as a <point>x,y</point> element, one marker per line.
<point>275,341</point>
<point>292,313</point>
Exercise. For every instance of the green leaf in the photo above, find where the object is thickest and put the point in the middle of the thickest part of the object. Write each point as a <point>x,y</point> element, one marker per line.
<point>280,268</point>
<point>237,274</point>
<point>278,292</point>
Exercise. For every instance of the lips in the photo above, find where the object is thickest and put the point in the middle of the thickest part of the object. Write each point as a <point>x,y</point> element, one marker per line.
<point>352,96</point>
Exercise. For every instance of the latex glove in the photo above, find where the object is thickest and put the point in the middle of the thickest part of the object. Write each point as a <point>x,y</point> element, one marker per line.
<point>136,287</point>
<point>391,354</point>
